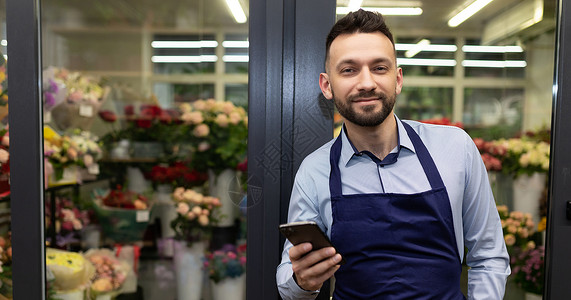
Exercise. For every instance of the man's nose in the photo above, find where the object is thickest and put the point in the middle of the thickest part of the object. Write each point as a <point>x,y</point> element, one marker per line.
<point>366,81</point>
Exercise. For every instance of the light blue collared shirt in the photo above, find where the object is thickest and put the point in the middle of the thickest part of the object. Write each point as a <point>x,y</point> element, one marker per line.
<point>476,221</point>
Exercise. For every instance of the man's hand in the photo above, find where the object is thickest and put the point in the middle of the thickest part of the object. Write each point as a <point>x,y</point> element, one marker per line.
<point>311,270</point>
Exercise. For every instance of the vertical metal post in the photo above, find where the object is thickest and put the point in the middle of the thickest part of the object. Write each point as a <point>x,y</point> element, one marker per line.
<point>558,264</point>
<point>287,120</point>
<point>26,148</point>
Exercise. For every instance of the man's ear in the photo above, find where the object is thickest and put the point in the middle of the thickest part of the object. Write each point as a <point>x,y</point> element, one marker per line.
<point>400,81</point>
<point>325,86</point>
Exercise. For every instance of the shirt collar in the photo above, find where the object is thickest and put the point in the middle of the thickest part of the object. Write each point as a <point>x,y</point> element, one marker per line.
<point>348,150</point>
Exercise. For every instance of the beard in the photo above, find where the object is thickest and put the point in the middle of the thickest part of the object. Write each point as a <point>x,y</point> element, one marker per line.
<point>368,118</point>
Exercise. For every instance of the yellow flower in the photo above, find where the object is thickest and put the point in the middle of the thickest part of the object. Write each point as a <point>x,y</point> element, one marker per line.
<point>542,224</point>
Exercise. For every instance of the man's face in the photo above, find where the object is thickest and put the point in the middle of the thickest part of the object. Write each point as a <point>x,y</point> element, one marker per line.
<point>362,77</point>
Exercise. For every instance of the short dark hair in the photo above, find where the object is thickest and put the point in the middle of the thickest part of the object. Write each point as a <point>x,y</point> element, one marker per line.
<point>358,21</point>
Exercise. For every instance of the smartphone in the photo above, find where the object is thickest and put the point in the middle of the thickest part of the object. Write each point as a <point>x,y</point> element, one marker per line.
<point>307,231</point>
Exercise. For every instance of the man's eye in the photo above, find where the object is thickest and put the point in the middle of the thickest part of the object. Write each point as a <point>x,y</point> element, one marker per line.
<point>347,70</point>
<point>381,68</point>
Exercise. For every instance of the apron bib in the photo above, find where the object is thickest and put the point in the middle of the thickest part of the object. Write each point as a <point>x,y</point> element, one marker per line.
<point>397,246</point>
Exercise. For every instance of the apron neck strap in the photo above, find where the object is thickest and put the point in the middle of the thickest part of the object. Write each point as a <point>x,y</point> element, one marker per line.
<point>422,153</point>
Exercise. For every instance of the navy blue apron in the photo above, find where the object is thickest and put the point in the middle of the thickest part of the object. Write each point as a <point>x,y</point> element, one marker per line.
<point>397,246</point>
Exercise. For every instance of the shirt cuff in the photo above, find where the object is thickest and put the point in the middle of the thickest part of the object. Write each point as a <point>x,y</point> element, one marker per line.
<point>290,290</point>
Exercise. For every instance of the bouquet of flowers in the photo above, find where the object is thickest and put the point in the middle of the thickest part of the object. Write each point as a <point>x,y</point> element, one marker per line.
<point>528,269</point>
<point>82,97</point>
<point>228,262</point>
<point>194,220</point>
<point>219,132</point>
<point>6,266</point>
<point>110,273</point>
<point>71,270</point>
<point>120,198</point>
<point>523,156</point>
<point>176,174</point>
<point>491,153</point>
<point>81,148</point>
<point>518,229</point>
<point>69,220</point>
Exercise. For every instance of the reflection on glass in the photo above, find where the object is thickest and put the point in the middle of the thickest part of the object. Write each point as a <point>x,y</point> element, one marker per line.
<point>421,103</point>
<point>122,82</point>
<point>5,236</point>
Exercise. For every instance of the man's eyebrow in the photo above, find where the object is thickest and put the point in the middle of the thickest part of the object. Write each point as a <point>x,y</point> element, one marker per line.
<point>351,61</point>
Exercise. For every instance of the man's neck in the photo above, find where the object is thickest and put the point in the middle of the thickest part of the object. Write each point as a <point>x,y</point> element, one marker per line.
<point>379,140</point>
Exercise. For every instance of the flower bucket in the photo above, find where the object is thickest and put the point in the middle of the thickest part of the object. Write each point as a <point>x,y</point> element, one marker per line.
<point>527,192</point>
<point>69,175</point>
<point>532,296</point>
<point>229,288</point>
<point>188,269</point>
<point>122,225</point>
<point>147,149</point>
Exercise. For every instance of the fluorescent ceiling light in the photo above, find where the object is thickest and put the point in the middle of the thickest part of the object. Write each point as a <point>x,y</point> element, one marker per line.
<point>184,44</point>
<point>388,11</point>
<point>417,48</point>
<point>354,5</point>
<point>492,49</point>
<point>236,44</point>
<point>495,63</point>
<point>184,59</point>
<point>467,12</point>
<point>431,48</point>
<point>426,62</point>
<point>237,11</point>
<point>235,58</point>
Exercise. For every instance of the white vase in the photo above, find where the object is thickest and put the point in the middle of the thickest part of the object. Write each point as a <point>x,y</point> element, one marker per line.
<point>229,288</point>
<point>224,186</point>
<point>188,263</point>
<point>136,180</point>
<point>527,192</point>
<point>531,296</point>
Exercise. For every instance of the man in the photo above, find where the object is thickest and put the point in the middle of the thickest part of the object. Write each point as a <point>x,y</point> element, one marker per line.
<point>399,200</point>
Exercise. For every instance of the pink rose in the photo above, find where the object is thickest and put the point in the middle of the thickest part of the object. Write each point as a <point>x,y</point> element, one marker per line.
<point>201,130</point>
<point>203,146</point>
<point>4,156</point>
<point>6,140</point>
<point>75,96</point>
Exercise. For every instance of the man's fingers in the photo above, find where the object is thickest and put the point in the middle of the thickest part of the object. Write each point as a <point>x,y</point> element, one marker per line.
<point>297,252</point>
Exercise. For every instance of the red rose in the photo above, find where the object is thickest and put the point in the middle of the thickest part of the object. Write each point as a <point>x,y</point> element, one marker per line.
<point>108,116</point>
<point>129,110</point>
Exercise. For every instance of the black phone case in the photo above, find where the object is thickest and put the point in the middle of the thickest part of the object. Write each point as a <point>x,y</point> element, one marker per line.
<point>307,232</point>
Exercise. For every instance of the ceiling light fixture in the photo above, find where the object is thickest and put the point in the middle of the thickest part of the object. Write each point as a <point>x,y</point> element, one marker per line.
<point>387,11</point>
<point>237,11</point>
<point>184,44</point>
<point>184,59</point>
<point>236,44</point>
<point>426,62</point>
<point>492,49</point>
<point>417,48</point>
<point>354,5</point>
<point>495,63</point>
<point>467,12</point>
<point>431,48</point>
<point>235,58</point>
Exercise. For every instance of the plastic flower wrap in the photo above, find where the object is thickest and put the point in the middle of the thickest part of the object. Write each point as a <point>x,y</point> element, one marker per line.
<point>110,272</point>
<point>518,228</point>
<point>71,270</point>
<point>228,262</point>
<point>528,269</point>
<point>82,97</point>
<point>195,218</point>
<point>218,131</point>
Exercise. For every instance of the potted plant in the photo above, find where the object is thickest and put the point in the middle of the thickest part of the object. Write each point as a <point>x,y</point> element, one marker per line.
<point>193,227</point>
<point>226,268</point>
<point>528,271</point>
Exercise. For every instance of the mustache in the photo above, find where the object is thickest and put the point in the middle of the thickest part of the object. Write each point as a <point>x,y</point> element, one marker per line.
<point>368,94</point>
